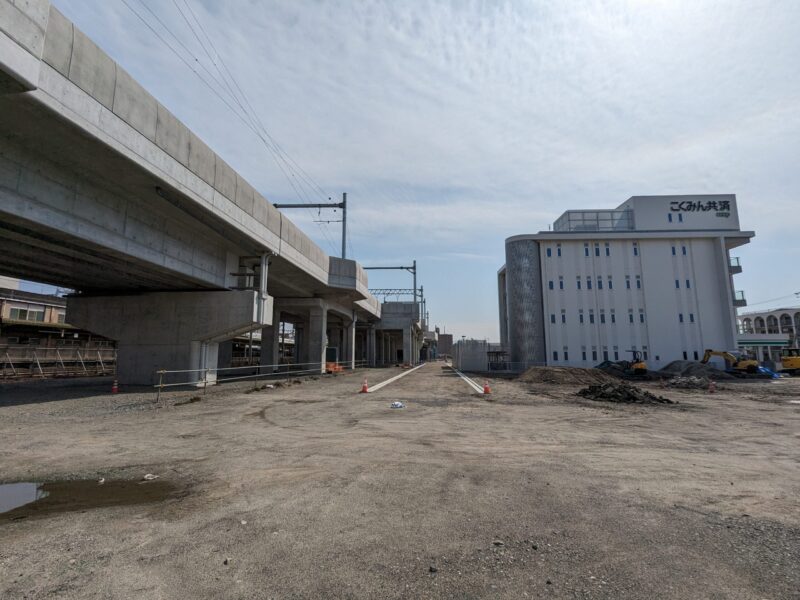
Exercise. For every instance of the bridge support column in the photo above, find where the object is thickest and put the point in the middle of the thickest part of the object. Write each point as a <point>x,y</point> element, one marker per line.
<point>270,343</point>
<point>408,346</point>
<point>371,345</point>
<point>170,330</point>
<point>350,357</point>
<point>317,337</point>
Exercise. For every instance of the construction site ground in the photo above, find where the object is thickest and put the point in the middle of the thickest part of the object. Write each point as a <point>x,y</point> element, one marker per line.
<point>312,490</point>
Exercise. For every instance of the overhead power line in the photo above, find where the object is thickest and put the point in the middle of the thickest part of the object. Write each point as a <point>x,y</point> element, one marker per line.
<point>226,85</point>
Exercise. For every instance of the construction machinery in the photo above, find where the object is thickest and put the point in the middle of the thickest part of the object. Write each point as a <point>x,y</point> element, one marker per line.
<point>736,362</point>
<point>637,366</point>
<point>790,359</point>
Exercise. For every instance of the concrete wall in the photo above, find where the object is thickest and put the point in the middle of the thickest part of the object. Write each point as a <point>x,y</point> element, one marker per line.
<point>526,332</point>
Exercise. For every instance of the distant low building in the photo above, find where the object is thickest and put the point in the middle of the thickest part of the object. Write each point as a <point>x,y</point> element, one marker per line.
<point>765,333</point>
<point>35,339</point>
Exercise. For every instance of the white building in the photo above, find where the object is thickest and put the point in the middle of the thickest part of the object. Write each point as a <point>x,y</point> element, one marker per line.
<point>654,274</point>
<point>765,333</point>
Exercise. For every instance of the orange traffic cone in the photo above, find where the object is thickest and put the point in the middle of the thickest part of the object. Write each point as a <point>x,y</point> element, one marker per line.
<point>486,389</point>
<point>364,387</point>
<point>114,387</point>
<point>712,387</point>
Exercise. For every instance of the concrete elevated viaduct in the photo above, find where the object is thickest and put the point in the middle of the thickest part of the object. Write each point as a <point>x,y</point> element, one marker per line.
<point>169,249</point>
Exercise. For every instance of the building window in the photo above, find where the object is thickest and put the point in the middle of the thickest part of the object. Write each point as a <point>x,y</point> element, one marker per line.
<point>630,317</point>
<point>605,354</point>
<point>550,284</point>
<point>608,250</point>
<point>680,217</point>
<point>683,250</point>
<point>62,317</point>
<point>680,317</point>
<point>627,282</point>
<point>691,317</point>
<point>599,284</point>
<point>591,318</point>
<point>696,355</point>
<point>586,249</point>
<point>685,355</point>
<point>579,283</point>
<point>588,283</point>
<point>597,249</point>
<point>644,354</point>
<point>610,284</point>
<point>566,355</point>
<point>641,317</point>
<point>603,318</point>
<point>677,284</point>
<point>613,318</point>
<point>549,252</point>
<point>594,354</point>
<point>688,285</point>
<point>616,355</point>
<point>555,354</point>
<point>558,249</point>
<point>552,318</point>
<point>563,318</point>
<point>583,355</point>
<point>673,251</point>
<point>638,282</point>
<point>561,283</point>
<point>580,317</point>
<point>669,217</point>
<point>635,249</point>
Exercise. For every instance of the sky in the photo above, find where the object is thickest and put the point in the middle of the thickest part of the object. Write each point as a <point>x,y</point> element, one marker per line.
<point>454,125</point>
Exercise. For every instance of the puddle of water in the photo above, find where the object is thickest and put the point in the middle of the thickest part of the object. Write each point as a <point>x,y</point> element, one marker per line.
<point>30,499</point>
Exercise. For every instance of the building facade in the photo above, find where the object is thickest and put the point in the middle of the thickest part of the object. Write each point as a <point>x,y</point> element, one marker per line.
<point>654,275</point>
<point>764,334</point>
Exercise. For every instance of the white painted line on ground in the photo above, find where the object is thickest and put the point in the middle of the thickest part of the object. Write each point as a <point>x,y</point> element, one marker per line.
<point>378,386</point>
<point>794,401</point>
<point>471,383</point>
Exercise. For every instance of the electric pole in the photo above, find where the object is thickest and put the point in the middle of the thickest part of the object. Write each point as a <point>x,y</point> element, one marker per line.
<point>342,205</point>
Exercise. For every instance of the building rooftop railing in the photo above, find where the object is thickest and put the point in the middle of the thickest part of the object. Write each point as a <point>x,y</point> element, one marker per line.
<point>595,220</point>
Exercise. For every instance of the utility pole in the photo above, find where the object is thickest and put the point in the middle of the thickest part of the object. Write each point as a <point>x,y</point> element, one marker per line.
<point>342,205</point>
<point>344,224</point>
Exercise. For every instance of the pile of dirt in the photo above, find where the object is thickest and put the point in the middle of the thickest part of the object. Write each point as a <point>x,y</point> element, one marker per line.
<point>688,383</point>
<point>622,392</point>
<point>689,368</point>
<point>564,375</point>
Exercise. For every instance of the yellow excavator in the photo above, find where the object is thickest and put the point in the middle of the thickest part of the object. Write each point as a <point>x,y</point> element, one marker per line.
<point>637,365</point>
<point>736,362</point>
<point>790,359</point>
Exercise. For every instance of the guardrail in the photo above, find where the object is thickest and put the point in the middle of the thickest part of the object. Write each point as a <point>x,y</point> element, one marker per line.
<point>278,370</point>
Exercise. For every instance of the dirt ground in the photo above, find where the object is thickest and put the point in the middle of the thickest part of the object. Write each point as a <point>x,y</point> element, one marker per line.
<point>316,491</point>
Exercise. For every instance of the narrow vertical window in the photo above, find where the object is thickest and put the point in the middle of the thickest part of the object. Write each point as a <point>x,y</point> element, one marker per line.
<point>683,250</point>
<point>583,355</point>
<point>608,250</point>
<point>603,318</point>
<point>563,318</point>
<point>549,252</point>
<point>591,318</point>
<point>680,317</point>
<point>588,283</point>
<point>599,284</point>
<point>638,282</point>
<point>691,317</point>
<point>673,251</point>
<point>566,355</point>
<point>552,318</point>
<point>558,250</point>
<point>613,318</point>
<point>669,217</point>
<point>555,354</point>
<point>635,249</point>
<point>677,284</point>
<point>688,285</point>
<point>630,317</point>
<point>610,284</point>
<point>550,284</point>
<point>685,355</point>
<point>594,354</point>
<point>561,284</point>
<point>696,355</point>
<point>597,249</point>
<point>641,317</point>
<point>680,217</point>
<point>579,284</point>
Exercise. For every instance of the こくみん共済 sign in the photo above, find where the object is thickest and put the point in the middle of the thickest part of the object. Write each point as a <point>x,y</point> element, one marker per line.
<point>722,208</point>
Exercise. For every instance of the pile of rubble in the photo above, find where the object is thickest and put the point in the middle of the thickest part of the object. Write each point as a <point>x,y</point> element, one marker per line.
<point>622,392</point>
<point>564,375</point>
<point>688,383</point>
<point>689,368</point>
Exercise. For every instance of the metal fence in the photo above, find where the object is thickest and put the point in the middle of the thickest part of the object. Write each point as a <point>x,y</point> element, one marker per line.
<point>202,378</point>
<point>23,361</point>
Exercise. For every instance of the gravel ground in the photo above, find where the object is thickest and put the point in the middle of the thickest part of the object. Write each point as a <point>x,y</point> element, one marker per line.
<point>315,491</point>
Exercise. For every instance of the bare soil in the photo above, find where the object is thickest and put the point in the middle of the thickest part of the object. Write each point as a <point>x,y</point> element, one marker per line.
<point>312,490</point>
